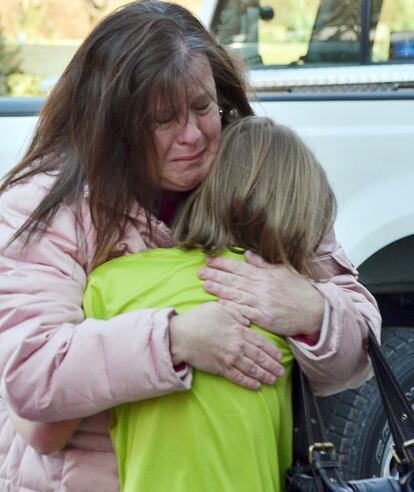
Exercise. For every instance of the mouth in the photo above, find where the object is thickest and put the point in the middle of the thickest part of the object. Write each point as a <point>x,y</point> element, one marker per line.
<point>189,158</point>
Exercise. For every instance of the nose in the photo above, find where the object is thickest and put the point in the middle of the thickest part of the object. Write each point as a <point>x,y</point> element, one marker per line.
<point>189,131</point>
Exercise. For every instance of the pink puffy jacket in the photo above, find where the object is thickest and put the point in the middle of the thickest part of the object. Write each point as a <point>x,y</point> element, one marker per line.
<point>54,365</point>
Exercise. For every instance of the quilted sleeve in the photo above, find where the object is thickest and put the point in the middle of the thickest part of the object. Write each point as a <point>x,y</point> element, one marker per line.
<point>54,364</point>
<point>339,360</point>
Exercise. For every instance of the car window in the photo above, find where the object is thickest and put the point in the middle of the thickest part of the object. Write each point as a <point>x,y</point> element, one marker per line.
<point>393,37</point>
<point>295,33</point>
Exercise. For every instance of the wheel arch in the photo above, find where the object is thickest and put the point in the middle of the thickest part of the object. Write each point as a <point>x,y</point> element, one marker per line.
<point>391,269</point>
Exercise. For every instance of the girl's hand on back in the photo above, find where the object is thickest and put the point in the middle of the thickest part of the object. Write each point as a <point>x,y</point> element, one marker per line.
<point>211,338</point>
<point>272,296</point>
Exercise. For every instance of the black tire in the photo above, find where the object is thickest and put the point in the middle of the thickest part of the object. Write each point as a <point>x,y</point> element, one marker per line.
<point>356,421</point>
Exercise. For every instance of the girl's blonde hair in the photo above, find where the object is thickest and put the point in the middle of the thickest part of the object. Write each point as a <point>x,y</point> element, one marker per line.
<point>266,192</point>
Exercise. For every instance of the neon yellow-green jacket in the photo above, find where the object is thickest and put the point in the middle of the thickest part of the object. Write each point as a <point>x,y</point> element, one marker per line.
<point>216,437</point>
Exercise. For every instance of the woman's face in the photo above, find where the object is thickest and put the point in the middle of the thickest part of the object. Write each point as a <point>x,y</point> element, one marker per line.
<point>186,145</point>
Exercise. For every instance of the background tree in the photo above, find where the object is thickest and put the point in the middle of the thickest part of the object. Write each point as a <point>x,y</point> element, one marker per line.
<point>95,9</point>
<point>9,63</point>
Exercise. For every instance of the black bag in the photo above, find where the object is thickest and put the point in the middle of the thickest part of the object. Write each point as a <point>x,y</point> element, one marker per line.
<point>315,467</point>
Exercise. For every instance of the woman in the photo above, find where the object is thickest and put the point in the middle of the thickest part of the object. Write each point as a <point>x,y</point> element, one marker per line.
<point>132,126</point>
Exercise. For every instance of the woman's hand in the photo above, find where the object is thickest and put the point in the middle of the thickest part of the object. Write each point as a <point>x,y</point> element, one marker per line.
<point>212,338</point>
<point>272,296</point>
<point>46,438</point>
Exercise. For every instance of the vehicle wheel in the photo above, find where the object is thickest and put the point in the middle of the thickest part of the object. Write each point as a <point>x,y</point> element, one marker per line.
<point>356,421</point>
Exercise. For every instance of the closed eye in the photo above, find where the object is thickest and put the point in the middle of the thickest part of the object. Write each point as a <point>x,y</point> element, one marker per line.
<point>203,107</point>
<point>164,120</point>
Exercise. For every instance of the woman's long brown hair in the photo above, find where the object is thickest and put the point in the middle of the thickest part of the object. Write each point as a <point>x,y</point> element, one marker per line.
<point>96,126</point>
<point>266,193</point>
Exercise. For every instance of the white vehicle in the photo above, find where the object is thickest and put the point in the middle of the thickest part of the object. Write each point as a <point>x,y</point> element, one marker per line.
<point>342,75</point>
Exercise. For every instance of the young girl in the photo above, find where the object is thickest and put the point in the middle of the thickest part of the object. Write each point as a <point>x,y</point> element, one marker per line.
<point>265,193</point>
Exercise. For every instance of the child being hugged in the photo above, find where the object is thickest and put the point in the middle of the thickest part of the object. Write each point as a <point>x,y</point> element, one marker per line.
<point>265,193</point>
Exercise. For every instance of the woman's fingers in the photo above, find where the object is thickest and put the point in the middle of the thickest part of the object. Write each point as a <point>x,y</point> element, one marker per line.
<point>256,359</point>
<point>249,313</point>
<point>211,274</point>
<point>241,379</point>
<point>231,293</point>
<point>233,280</point>
<point>221,263</point>
<point>264,367</point>
<point>256,260</point>
<point>249,374</point>
<point>256,365</point>
<point>237,313</point>
<point>262,351</point>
